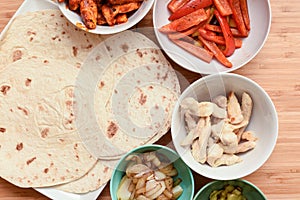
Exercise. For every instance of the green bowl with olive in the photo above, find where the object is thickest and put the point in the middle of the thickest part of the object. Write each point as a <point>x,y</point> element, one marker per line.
<point>230,190</point>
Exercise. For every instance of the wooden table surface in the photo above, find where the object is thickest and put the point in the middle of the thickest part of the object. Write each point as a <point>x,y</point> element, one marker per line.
<point>277,69</point>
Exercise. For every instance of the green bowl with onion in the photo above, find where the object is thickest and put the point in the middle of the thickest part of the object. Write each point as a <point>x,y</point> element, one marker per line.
<point>248,190</point>
<point>184,173</point>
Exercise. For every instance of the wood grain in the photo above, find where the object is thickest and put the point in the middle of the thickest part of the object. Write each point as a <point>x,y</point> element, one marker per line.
<point>277,69</point>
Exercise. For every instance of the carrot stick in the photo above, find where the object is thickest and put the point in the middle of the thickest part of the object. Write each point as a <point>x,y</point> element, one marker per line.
<point>190,7</point>
<point>245,13</point>
<point>223,7</point>
<point>218,29</point>
<point>176,4</point>
<point>216,51</point>
<point>185,22</point>
<point>238,17</point>
<point>199,52</point>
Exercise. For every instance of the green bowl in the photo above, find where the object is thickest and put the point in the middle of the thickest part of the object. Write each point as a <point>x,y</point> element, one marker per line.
<point>183,171</point>
<point>250,191</point>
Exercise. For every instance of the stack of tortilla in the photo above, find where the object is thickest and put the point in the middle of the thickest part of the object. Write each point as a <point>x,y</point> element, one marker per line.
<point>71,101</point>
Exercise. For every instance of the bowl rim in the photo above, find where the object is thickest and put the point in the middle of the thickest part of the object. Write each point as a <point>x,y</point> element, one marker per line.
<point>202,81</point>
<point>106,30</point>
<point>146,147</point>
<point>204,72</point>
<point>235,180</point>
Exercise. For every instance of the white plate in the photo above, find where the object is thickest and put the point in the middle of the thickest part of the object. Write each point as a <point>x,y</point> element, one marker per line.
<point>137,16</point>
<point>260,16</point>
<point>35,5</point>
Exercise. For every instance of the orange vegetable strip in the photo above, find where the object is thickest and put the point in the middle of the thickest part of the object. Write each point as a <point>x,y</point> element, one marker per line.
<point>229,41</point>
<point>176,4</point>
<point>245,13</point>
<point>218,29</point>
<point>185,22</point>
<point>216,51</point>
<point>190,7</point>
<point>223,7</point>
<point>237,16</point>
<point>190,31</point>
<point>218,39</point>
<point>199,52</point>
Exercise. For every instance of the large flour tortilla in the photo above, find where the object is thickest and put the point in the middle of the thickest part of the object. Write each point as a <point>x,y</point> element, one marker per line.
<point>39,141</point>
<point>130,71</point>
<point>46,33</point>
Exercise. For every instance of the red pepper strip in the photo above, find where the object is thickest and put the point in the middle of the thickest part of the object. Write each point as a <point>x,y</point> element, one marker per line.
<point>176,4</point>
<point>190,7</point>
<point>185,22</point>
<point>223,7</point>
<point>245,13</point>
<point>199,52</point>
<point>216,51</point>
<point>238,17</point>
<point>218,39</point>
<point>179,35</point>
<point>229,41</point>
<point>218,29</point>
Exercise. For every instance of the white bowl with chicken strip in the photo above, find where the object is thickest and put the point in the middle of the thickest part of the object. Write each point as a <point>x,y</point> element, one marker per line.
<point>116,11</point>
<point>224,126</point>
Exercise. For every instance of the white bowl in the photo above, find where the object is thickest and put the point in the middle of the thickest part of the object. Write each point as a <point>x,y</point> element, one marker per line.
<point>135,18</point>
<point>263,122</point>
<point>260,19</point>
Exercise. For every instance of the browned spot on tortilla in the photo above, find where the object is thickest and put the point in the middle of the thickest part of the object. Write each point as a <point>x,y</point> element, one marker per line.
<point>93,174</point>
<point>30,39</point>
<point>45,132</point>
<point>31,33</point>
<point>143,99</point>
<point>125,47</point>
<point>53,179</point>
<point>75,51</point>
<point>17,55</point>
<point>11,110</point>
<point>156,107</point>
<point>116,91</point>
<point>4,89</point>
<point>19,146</point>
<point>138,81</point>
<point>78,65</point>
<point>89,46</point>
<point>63,32</point>
<point>148,68</point>
<point>62,178</point>
<point>46,61</point>
<point>112,130</point>
<point>28,162</point>
<point>76,170</point>
<point>77,157</point>
<point>105,169</point>
<point>46,170</point>
<point>49,154</point>
<point>68,171</point>
<point>75,146</point>
<point>101,85</point>
<point>108,48</point>
<point>139,53</point>
<point>33,56</point>
<point>98,58</point>
<point>55,37</point>
<point>24,110</point>
<point>52,15</point>
<point>51,164</point>
<point>27,82</point>
<point>150,87</point>
<point>61,140</point>
<point>165,76</point>
<point>164,97</point>
<point>35,177</point>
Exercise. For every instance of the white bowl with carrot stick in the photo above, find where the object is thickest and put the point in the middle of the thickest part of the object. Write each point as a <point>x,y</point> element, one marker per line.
<point>212,36</point>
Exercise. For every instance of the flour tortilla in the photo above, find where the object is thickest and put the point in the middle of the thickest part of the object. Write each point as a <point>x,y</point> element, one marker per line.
<point>46,33</point>
<point>105,68</point>
<point>40,145</point>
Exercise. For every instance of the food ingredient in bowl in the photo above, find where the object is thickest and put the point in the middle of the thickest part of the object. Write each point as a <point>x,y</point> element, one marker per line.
<point>214,26</point>
<point>228,193</point>
<point>103,12</point>
<point>216,130</point>
<point>149,175</point>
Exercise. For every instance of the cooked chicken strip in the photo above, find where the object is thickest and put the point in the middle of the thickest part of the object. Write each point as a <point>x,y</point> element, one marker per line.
<point>89,12</point>
<point>219,112</point>
<point>214,152</point>
<point>249,135</point>
<point>227,159</point>
<point>193,134</point>
<point>118,2</point>
<point>196,150</point>
<point>74,4</point>
<point>220,101</point>
<point>216,129</point>
<point>191,105</point>
<point>247,105</point>
<point>190,121</point>
<point>245,146</point>
<point>234,109</point>
<point>204,134</point>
